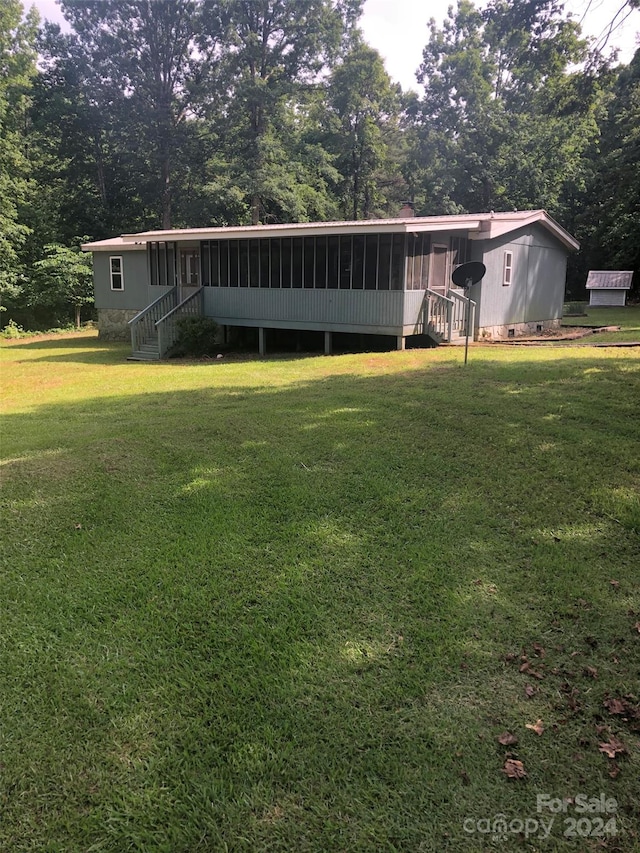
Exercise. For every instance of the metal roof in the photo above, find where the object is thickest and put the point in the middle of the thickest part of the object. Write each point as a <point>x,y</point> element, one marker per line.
<point>609,280</point>
<point>478,226</point>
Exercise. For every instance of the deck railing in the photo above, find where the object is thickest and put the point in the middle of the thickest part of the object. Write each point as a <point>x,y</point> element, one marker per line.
<point>459,313</point>
<point>143,325</point>
<point>167,326</point>
<point>438,315</point>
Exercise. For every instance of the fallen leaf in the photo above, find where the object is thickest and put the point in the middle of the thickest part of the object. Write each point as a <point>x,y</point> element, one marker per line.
<point>539,650</point>
<point>615,706</point>
<point>78,527</point>
<point>637,627</point>
<point>615,584</point>
<point>465,777</point>
<point>510,656</point>
<point>530,690</point>
<point>612,748</point>
<point>525,666</point>
<point>478,582</point>
<point>536,674</point>
<point>590,671</point>
<point>507,739</point>
<point>514,769</point>
<point>614,770</point>
<point>536,727</point>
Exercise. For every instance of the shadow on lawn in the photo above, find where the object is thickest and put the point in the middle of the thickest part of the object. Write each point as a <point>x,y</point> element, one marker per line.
<point>285,609</point>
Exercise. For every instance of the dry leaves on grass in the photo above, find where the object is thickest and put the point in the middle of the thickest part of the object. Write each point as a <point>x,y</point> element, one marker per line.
<point>530,690</point>
<point>536,727</point>
<point>613,747</point>
<point>514,769</point>
<point>590,671</point>
<point>507,739</point>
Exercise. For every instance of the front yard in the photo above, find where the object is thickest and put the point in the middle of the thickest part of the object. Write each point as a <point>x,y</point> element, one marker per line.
<point>319,604</point>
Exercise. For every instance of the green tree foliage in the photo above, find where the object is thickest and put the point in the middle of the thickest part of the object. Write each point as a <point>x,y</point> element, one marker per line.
<point>275,51</point>
<point>63,278</point>
<point>611,219</point>
<point>363,120</point>
<point>503,114</point>
<point>17,70</point>
<point>141,68</point>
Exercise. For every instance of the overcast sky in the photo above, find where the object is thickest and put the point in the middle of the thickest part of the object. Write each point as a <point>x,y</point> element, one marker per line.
<point>398,28</point>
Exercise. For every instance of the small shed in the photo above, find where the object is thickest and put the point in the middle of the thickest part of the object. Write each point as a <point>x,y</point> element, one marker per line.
<point>608,288</point>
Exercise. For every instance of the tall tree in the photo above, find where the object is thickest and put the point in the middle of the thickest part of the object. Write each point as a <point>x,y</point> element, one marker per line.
<point>503,113</point>
<point>17,70</point>
<point>363,111</point>
<point>277,49</point>
<point>141,60</point>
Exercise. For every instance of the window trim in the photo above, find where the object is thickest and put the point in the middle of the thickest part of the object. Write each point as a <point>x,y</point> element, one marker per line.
<point>507,269</point>
<point>120,273</point>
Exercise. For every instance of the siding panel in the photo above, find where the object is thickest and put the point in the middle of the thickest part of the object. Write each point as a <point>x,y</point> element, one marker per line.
<point>334,310</point>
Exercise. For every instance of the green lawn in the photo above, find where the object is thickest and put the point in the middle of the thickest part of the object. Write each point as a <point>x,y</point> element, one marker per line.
<point>627,318</point>
<point>293,604</point>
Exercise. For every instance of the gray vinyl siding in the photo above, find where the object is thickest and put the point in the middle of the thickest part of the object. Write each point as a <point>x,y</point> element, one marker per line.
<point>375,312</point>
<point>136,294</point>
<point>606,298</point>
<point>536,292</point>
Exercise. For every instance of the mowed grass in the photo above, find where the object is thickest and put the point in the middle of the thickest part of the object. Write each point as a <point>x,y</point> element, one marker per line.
<point>284,605</point>
<point>628,318</point>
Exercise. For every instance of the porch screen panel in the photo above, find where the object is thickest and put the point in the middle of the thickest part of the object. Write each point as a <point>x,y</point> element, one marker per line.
<point>172,264</point>
<point>346,255</point>
<point>397,261</point>
<point>384,262</point>
<point>276,271</point>
<point>234,260</point>
<point>254,263</point>
<point>426,249</point>
<point>224,263</point>
<point>153,262</point>
<point>309,261</point>
<point>411,250</point>
<point>358,262</point>
<point>333,253</point>
<point>205,263</point>
<point>244,263</point>
<point>296,262</point>
<point>371,262</point>
<point>214,263</point>
<point>285,260</point>
<point>163,268</point>
<point>321,262</point>
<point>265,263</point>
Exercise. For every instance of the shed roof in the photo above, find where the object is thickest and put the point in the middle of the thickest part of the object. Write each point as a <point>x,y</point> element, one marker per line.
<point>478,226</point>
<point>609,280</point>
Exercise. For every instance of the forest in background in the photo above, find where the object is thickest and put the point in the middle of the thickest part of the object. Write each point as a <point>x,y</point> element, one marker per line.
<point>155,114</point>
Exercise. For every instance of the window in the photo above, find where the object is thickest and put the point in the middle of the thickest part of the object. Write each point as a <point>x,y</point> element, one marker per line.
<point>115,270</point>
<point>507,273</point>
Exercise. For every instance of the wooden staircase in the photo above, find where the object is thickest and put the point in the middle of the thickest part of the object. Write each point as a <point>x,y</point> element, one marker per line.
<point>154,330</point>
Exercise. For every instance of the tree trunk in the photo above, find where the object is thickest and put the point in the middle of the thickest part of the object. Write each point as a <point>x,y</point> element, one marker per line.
<point>78,309</point>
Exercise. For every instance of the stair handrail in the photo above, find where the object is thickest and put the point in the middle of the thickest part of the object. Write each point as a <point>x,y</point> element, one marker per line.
<point>142,316</point>
<point>433,297</point>
<point>166,333</point>
<point>462,303</point>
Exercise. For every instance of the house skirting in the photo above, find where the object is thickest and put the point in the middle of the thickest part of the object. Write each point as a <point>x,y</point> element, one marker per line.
<point>113,323</point>
<point>516,330</point>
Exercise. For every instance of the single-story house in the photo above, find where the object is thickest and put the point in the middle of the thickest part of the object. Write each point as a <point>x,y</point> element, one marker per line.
<point>608,289</point>
<point>375,277</point>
